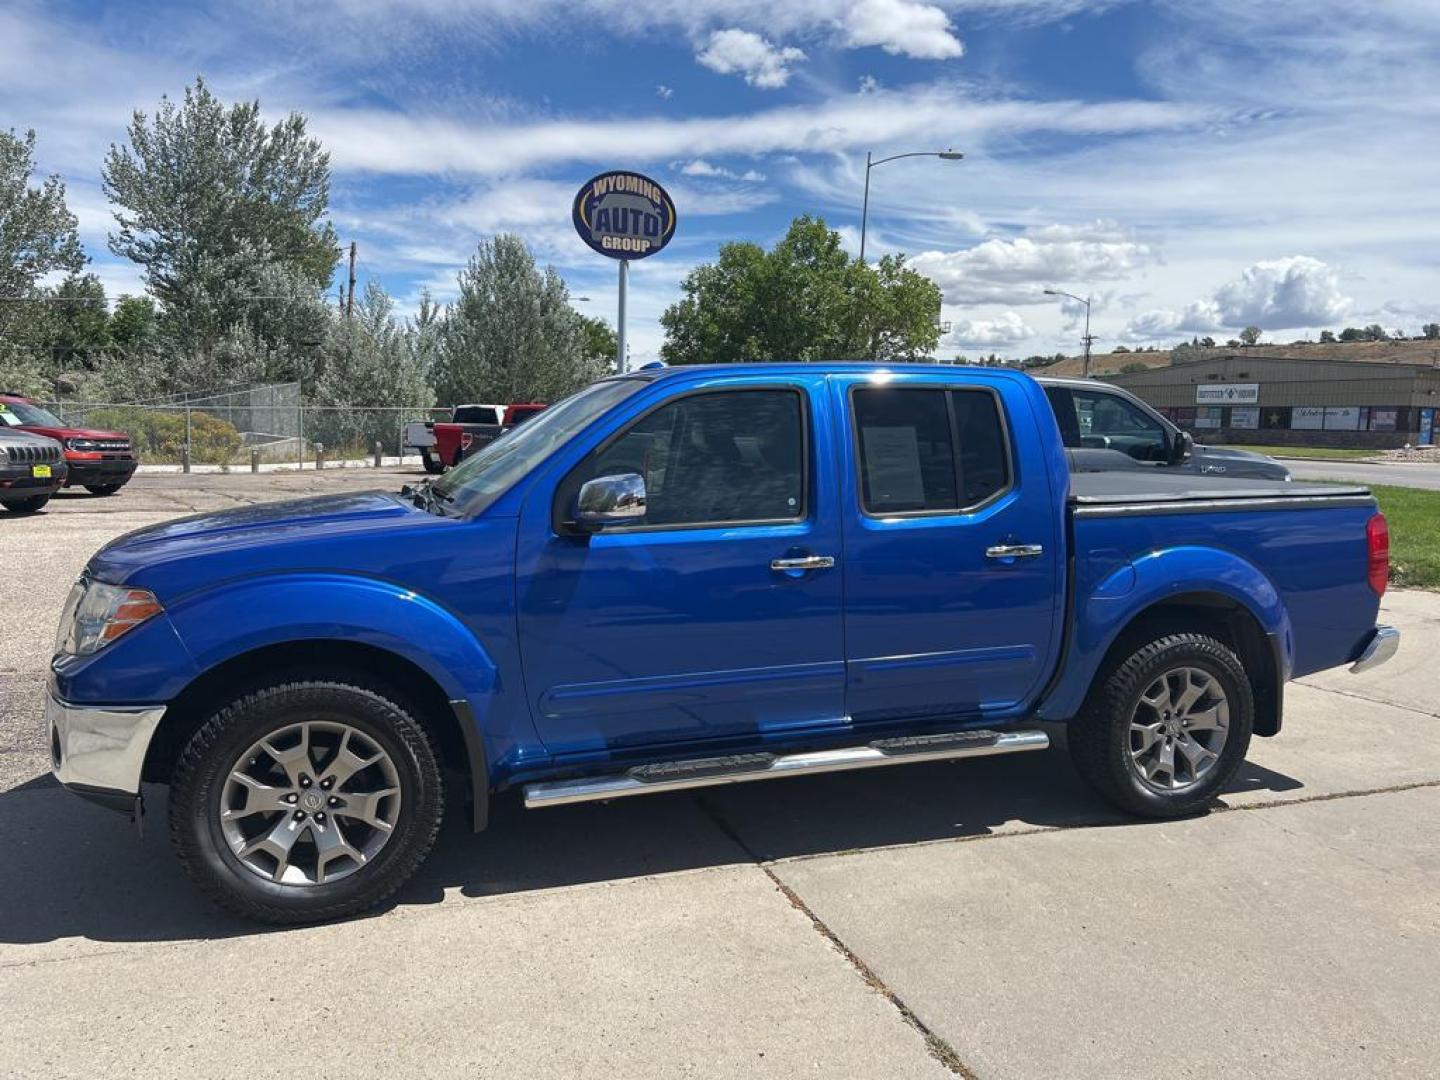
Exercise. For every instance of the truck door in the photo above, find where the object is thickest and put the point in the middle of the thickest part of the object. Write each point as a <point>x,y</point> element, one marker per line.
<point>953,545</point>
<point>704,619</point>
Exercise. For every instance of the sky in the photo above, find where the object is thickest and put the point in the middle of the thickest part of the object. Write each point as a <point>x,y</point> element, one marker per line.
<point>1195,166</point>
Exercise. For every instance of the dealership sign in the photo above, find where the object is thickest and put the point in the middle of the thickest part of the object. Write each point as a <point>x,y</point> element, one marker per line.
<point>624,215</point>
<point>1244,393</point>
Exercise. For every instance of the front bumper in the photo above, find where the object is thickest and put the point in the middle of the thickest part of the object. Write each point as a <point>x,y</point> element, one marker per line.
<point>107,471</point>
<point>20,481</point>
<point>1379,647</point>
<point>98,752</point>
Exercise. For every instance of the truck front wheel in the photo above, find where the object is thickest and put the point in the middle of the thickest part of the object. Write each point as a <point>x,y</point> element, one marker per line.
<point>1164,731</point>
<point>305,801</point>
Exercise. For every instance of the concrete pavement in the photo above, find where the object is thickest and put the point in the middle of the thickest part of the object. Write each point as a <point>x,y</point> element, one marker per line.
<point>985,918</point>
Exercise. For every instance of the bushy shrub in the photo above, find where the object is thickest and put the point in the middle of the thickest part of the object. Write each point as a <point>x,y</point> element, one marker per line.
<point>159,435</point>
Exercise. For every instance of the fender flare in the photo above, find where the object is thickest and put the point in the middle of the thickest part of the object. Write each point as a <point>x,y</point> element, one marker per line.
<point>1128,592</point>
<point>239,617</point>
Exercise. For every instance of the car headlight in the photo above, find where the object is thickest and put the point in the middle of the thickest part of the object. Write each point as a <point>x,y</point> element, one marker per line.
<point>96,614</point>
<point>82,445</point>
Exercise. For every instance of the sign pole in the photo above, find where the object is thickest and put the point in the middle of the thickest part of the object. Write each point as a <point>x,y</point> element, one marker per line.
<point>620,321</point>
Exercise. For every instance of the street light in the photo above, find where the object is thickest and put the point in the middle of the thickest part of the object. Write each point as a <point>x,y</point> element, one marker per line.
<point>943,155</point>
<point>1087,338</point>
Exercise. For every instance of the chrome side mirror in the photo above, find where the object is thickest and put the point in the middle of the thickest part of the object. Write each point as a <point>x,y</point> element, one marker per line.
<point>611,500</point>
<point>1183,449</point>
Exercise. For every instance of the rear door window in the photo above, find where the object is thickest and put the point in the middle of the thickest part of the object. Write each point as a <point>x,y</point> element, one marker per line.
<point>927,451</point>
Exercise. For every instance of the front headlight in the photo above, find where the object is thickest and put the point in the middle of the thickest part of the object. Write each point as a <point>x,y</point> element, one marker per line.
<point>96,614</point>
<point>82,445</point>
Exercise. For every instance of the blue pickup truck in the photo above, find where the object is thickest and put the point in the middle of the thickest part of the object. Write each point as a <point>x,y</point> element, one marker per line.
<point>687,577</point>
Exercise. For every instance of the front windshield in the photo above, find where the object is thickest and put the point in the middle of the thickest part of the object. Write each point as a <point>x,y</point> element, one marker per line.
<point>482,478</point>
<point>16,413</point>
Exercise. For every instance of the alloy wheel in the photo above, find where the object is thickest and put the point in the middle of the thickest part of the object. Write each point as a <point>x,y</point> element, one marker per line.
<point>1178,729</point>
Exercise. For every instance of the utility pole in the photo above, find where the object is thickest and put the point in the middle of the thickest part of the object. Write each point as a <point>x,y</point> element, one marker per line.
<point>350,296</point>
<point>1089,338</point>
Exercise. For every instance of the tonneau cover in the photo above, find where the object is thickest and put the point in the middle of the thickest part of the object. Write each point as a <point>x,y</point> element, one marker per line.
<point>1124,488</point>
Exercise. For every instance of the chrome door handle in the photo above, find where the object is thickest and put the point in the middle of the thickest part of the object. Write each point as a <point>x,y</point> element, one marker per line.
<point>805,562</point>
<point>1014,551</point>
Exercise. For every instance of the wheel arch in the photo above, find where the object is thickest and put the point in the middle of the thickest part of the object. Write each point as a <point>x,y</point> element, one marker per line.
<point>1224,617</point>
<point>450,720</point>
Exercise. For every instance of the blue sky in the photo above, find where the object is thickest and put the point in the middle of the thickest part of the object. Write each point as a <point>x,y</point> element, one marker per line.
<point>1197,165</point>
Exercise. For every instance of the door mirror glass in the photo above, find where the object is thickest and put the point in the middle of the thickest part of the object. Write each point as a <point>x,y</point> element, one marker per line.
<point>1183,447</point>
<point>611,500</point>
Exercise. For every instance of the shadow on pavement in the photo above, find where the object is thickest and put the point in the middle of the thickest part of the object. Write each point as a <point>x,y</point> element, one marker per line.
<point>76,870</point>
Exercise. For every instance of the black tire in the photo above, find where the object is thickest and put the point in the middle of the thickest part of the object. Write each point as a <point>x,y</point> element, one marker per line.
<point>432,463</point>
<point>102,489</point>
<point>27,506</point>
<point>1100,737</point>
<point>199,781</point>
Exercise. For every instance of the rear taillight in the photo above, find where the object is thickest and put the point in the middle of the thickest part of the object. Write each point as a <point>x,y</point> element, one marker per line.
<point>1377,543</point>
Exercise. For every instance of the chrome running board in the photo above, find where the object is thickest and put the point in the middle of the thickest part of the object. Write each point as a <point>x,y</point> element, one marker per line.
<point>743,768</point>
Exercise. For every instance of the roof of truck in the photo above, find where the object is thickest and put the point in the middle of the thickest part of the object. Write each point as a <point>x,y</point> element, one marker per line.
<point>824,367</point>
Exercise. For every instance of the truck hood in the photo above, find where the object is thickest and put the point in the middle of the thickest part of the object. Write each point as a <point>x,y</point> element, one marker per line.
<point>270,535</point>
<point>63,433</point>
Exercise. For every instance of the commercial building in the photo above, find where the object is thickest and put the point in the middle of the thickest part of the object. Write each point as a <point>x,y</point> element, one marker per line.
<point>1248,397</point>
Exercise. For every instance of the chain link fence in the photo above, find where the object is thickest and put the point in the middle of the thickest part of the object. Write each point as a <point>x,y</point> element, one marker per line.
<point>240,426</point>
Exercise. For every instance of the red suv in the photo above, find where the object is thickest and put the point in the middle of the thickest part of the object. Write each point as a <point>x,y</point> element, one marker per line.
<point>99,461</point>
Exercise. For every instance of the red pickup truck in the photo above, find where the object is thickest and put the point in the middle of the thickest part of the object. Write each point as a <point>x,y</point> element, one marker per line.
<point>470,428</point>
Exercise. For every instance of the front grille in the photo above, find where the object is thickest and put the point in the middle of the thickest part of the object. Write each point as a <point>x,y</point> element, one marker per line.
<point>24,455</point>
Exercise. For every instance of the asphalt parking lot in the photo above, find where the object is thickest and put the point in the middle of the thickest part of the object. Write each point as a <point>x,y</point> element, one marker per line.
<point>984,918</point>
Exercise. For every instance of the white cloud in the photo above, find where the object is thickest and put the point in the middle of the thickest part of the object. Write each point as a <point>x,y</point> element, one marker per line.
<point>1295,292</point>
<point>663,92</point>
<point>1006,329</point>
<point>902,28</point>
<point>400,144</point>
<point>1018,270</point>
<point>701,167</point>
<point>741,52</point>
<point>869,84</point>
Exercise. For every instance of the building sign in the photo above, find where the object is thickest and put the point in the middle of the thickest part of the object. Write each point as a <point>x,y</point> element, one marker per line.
<point>1245,416</point>
<point>1276,419</point>
<point>1427,427</point>
<point>1240,393</point>
<point>1307,417</point>
<point>1342,418</point>
<point>624,215</point>
<point>1208,416</point>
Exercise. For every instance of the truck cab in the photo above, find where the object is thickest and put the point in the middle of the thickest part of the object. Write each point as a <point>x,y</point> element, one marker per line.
<point>686,577</point>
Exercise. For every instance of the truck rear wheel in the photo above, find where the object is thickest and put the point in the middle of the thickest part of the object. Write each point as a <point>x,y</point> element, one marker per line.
<point>1164,731</point>
<point>305,801</point>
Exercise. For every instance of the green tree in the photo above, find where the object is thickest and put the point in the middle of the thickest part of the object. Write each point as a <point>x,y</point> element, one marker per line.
<point>37,229</point>
<point>132,323</point>
<point>205,192</point>
<point>511,334</point>
<point>1207,342</point>
<point>80,323</point>
<point>806,299</point>
<point>1327,337</point>
<point>601,344</point>
<point>366,361</point>
<point>1250,335</point>
<point>1431,331</point>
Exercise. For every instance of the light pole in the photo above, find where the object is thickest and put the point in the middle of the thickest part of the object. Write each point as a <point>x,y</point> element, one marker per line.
<point>1087,339</point>
<point>943,155</point>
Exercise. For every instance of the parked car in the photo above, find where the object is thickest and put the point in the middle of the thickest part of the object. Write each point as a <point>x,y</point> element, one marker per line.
<point>472,427</point>
<point>1107,428</point>
<point>99,461</point>
<point>686,577</point>
<point>32,468</point>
